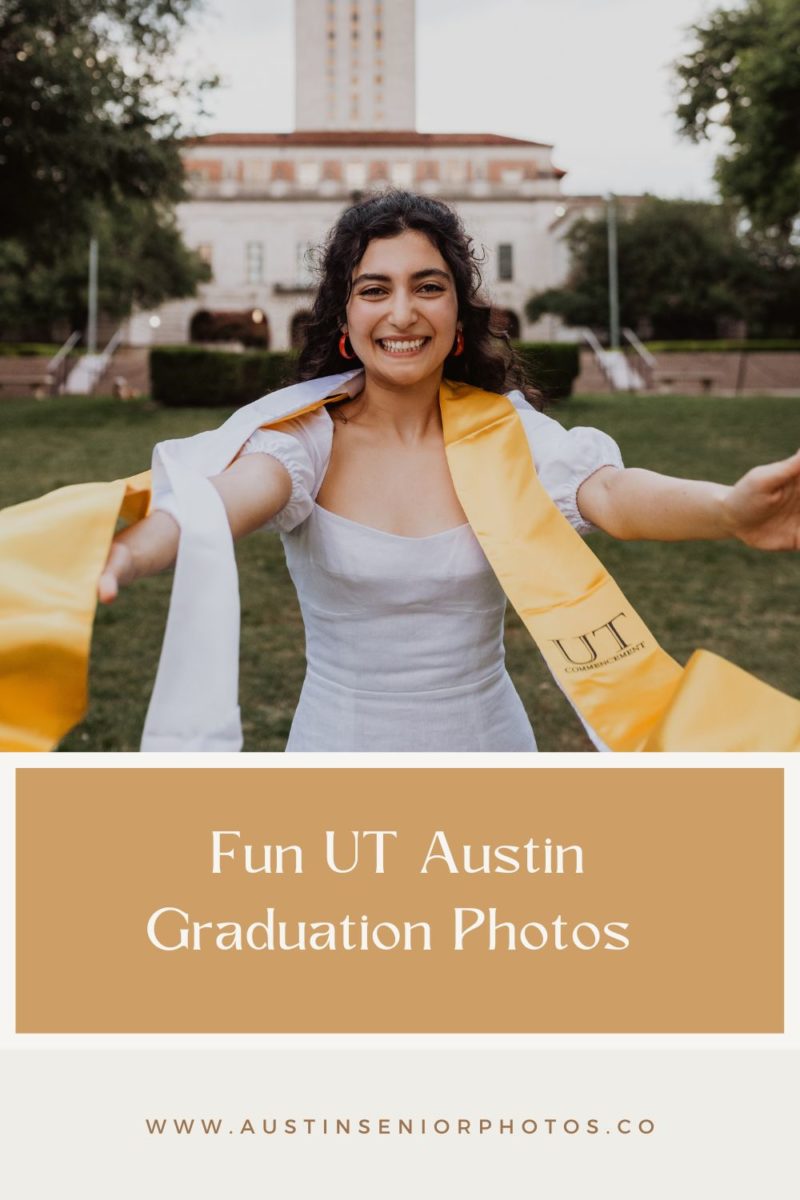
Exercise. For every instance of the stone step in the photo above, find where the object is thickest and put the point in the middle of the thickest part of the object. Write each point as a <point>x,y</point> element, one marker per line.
<point>591,377</point>
<point>129,369</point>
<point>25,376</point>
<point>712,372</point>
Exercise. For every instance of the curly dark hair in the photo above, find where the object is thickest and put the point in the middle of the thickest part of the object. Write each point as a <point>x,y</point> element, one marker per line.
<point>489,360</point>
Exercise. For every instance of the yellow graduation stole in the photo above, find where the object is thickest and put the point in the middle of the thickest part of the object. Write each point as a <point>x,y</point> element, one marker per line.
<point>628,690</point>
<point>52,551</point>
<point>598,649</point>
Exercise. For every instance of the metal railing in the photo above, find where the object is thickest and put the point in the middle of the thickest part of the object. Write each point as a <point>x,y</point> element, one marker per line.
<point>619,372</point>
<point>58,366</point>
<point>648,361</point>
<point>591,340</point>
<point>108,353</point>
<point>91,367</point>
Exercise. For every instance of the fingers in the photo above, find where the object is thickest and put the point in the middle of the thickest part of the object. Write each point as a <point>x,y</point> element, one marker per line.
<point>117,572</point>
<point>789,467</point>
<point>778,473</point>
<point>107,588</point>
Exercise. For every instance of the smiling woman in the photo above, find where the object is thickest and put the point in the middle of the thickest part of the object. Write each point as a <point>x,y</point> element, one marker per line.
<point>416,486</point>
<point>401,323</point>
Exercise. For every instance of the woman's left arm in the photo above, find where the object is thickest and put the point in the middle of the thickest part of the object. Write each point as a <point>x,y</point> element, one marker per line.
<point>762,509</point>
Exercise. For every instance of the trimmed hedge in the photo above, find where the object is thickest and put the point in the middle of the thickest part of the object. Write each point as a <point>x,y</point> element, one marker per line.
<point>552,367</point>
<point>726,346</point>
<point>185,376</point>
<point>28,349</point>
<point>188,376</point>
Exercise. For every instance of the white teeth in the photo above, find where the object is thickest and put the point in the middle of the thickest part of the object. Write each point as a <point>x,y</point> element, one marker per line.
<point>400,347</point>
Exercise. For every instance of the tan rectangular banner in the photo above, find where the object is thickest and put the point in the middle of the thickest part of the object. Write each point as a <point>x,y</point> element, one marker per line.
<point>406,900</point>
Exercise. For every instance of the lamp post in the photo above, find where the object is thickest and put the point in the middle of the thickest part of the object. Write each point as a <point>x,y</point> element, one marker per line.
<point>613,272</point>
<point>91,332</point>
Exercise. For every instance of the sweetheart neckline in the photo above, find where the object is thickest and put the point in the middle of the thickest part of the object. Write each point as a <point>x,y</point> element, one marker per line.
<point>427,537</point>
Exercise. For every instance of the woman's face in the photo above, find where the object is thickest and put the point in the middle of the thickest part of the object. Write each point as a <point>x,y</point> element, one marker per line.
<point>402,312</point>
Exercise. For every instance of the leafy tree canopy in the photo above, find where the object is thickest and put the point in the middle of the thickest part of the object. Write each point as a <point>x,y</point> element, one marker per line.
<point>90,142</point>
<point>88,99</point>
<point>743,76</point>
<point>683,268</point>
<point>143,262</point>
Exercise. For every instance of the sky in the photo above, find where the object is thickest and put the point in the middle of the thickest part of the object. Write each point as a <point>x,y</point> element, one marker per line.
<point>592,77</point>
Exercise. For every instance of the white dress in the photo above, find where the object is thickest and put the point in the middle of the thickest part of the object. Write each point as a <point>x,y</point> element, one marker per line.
<point>404,636</point>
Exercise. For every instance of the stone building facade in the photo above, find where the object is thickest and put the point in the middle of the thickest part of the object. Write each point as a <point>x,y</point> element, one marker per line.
<point>358,64</point>
<point>261,202</point>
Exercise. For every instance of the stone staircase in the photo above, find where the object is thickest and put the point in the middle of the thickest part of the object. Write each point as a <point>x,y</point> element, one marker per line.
<point>25,377</point>
<point>777,373</point>
<point>591,378</point>
<point>130,364</point>
<point>706,372</point>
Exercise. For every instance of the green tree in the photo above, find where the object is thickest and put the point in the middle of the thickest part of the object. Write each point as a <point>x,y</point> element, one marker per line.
<point>143,262</point>
<point>743,76</point>
<point>682,267</point>
<point>90,141</point>
<point>772,302</point>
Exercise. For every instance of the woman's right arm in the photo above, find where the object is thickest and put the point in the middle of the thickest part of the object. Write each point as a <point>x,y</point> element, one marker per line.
<point>253,489</point>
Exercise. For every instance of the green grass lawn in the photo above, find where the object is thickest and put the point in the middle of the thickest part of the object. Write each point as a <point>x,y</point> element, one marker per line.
<point>721,596</point>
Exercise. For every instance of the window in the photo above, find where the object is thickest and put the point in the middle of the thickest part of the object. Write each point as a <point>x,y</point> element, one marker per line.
<point>297,329</point>
<point>256,170</point>
<point>427,170</point>
<point>454,170</point>
<point>308,174</point>
<point>204,172</point>
<point>206,253</point>
<point>355,174</point>
<point>304,274</point>
<point>254,262</point>
<point>505,261</point>
<point>402,174</point>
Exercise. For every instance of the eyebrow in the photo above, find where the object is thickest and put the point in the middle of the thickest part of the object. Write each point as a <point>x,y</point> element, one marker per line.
<point>387,278</point>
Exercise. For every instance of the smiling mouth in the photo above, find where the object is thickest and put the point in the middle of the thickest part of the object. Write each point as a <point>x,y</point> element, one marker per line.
<point>402,346</point>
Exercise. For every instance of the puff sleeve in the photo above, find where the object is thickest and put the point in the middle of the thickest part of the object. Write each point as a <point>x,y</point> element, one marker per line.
<point>565,458</point>
<point>303,447</point>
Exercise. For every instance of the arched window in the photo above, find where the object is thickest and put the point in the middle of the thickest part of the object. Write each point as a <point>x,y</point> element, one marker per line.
<point>297,328</point>
<point>507,320</point>
<point>249,327</point>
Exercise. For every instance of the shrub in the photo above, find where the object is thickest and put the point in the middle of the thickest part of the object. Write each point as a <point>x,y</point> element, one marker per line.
<point>729,345</point>
<point>27,349</point>
<point>190,376</point>
<point>551,366</point>
<point>184,376</point>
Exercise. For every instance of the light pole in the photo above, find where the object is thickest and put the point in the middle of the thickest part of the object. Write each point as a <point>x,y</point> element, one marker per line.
<point>91,332</point>
<point>613,272</point>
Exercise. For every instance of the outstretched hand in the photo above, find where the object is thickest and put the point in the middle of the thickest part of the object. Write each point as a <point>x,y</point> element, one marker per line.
<point>116,573</point>
<point>763,508</point>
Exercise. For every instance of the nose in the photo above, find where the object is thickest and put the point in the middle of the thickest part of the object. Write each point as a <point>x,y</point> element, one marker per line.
<point>403,313</point>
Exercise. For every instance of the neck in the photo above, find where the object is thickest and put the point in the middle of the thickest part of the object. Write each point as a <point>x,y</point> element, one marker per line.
<point>407,413</point>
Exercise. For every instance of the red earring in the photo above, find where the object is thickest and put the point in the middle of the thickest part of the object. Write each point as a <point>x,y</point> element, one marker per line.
<point>458,348</point>
<point>343,347</point>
